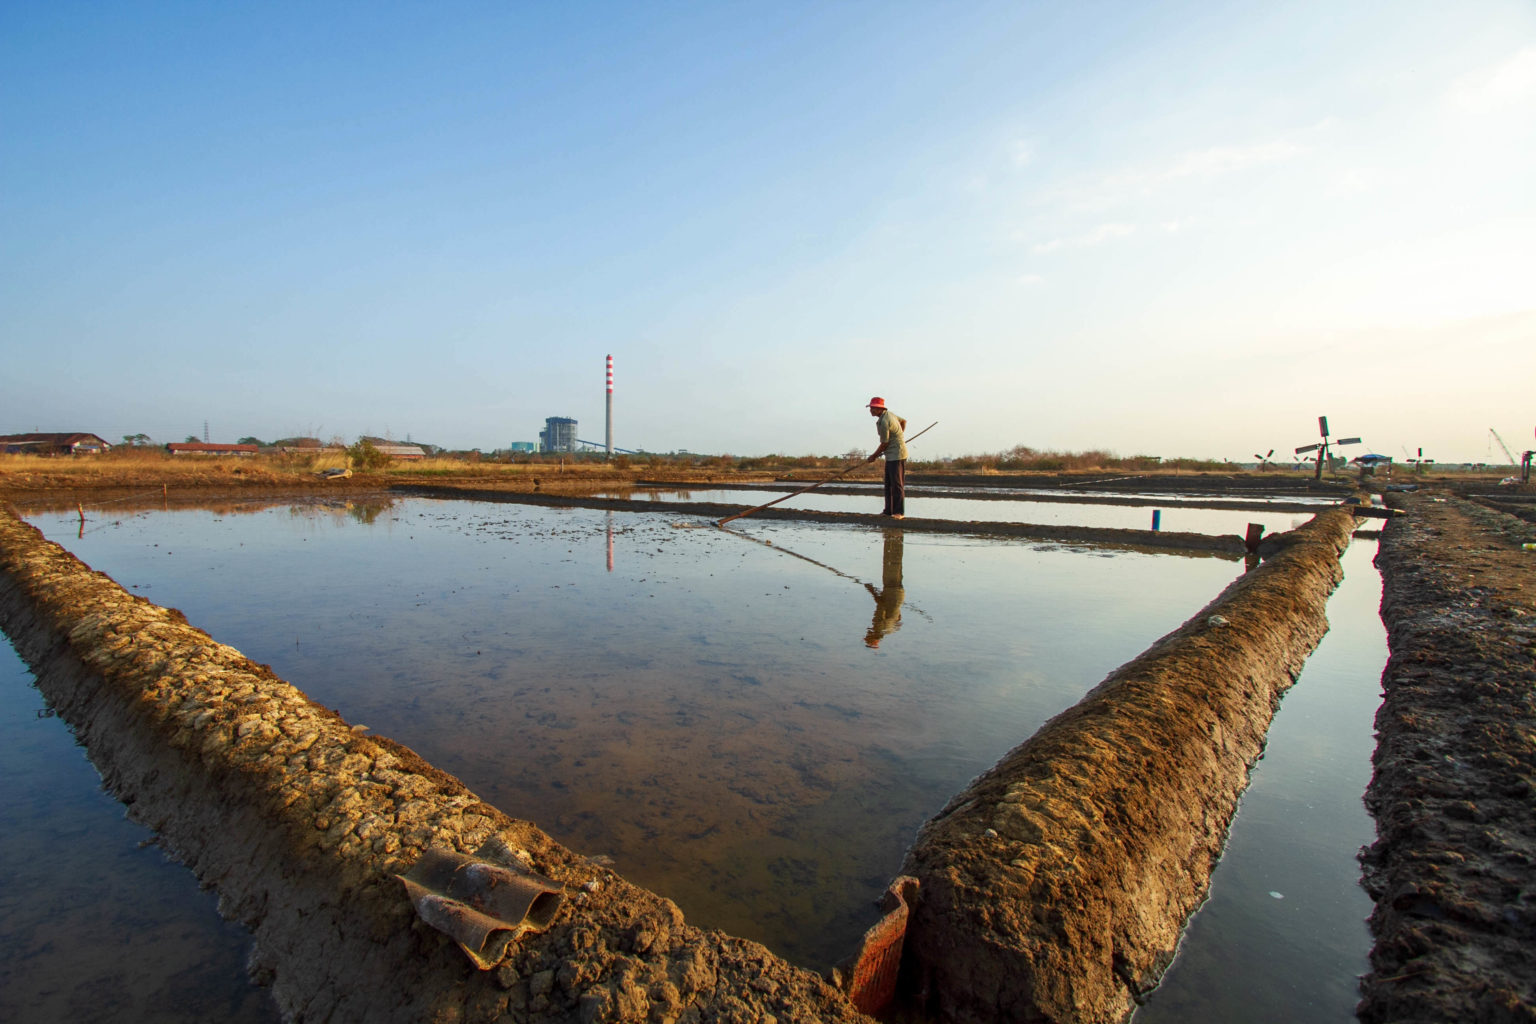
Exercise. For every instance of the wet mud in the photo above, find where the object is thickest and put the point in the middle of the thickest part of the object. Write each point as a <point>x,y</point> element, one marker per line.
<point>1055,886</point>
<point>1453,871</point>
<point>302,823</point>
<point>1521,506</point>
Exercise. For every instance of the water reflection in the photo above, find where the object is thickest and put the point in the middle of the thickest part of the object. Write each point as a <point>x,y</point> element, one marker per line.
<point>891,595</point>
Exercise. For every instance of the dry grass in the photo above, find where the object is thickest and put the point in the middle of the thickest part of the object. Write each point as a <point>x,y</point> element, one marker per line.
<point>153,468</point>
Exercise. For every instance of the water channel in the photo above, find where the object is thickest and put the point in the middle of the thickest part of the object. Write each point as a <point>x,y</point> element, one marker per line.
<point>751,722</point>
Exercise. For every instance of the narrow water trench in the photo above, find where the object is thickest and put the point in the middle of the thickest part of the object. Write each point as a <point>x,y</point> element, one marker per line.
<point>1282,936</point>
<point>96,923</point>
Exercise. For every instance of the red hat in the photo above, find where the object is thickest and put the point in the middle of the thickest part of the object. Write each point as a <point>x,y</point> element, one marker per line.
<point>877,402</point>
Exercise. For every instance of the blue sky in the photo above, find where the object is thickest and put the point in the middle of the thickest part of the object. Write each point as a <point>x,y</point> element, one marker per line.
<point>1174,229</point>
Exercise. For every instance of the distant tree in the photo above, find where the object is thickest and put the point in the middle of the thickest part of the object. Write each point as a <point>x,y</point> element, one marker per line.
<point>365,456</point>
<point>193,439</point>
<point>258,442</point>
<point>137,440</point>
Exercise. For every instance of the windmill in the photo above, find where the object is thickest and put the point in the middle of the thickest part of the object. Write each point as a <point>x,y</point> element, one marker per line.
<point>1264,459</point>
<point>1322,447</point>
<point>1418,462</point>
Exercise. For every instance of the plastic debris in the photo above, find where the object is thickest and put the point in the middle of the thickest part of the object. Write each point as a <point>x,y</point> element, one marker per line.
<point>482,906</point>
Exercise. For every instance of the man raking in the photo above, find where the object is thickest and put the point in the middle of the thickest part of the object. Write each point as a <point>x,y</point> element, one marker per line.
<point>893,445</point>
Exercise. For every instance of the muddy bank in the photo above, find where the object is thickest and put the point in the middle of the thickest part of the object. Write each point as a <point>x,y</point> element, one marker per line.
<point>703,513</point>
<point>301,824</point>
<point>1060,497</point>
<point>1453,871</point>
<point>1521,506</point>
<point>1191,483</point>
<point>1055,887</point>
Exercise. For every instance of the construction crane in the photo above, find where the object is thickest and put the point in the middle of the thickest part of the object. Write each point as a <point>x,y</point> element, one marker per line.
<point>1507,453</point>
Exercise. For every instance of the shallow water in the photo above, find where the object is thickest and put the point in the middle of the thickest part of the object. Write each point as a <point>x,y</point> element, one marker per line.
<point>94,924</point>
<point>750,722</point>
<point>1018,510</point>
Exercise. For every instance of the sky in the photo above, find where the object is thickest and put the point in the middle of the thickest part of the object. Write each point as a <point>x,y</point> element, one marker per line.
<point>1176,229</point>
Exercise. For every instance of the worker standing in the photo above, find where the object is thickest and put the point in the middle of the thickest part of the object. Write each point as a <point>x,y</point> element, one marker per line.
<point>893,445</point>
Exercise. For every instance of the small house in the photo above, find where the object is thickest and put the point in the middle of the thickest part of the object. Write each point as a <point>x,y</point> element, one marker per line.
<point>52,444</point>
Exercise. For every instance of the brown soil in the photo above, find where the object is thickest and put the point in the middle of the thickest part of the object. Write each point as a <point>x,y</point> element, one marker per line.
<point>1453,872</point>
<point>1055,887</point>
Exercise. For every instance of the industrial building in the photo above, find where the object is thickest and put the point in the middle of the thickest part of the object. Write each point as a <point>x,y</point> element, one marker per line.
<point>558,435</point>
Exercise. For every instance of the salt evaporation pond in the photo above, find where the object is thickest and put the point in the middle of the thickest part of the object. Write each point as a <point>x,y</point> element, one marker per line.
<point>753,723</point>
<point>1016,510</point>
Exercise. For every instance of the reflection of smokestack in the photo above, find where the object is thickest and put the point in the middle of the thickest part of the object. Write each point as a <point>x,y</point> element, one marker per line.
<point>610,407</point>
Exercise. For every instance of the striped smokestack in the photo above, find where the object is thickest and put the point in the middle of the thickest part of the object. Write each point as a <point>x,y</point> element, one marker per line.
<point>610,408</point>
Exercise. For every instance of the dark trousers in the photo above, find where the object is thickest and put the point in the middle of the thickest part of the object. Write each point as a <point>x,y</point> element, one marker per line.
<point>895,487</point>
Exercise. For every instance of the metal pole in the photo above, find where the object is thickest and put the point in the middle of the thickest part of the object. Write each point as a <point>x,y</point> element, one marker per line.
<point>610,409</point>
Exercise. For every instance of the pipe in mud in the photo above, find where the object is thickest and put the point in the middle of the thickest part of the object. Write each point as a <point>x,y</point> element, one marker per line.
<point>1056,885</point>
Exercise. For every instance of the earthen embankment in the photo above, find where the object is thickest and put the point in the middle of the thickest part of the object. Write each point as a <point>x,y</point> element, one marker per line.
<point>1055,886</point>
<point>1453,870</point>
<point>301,824</point>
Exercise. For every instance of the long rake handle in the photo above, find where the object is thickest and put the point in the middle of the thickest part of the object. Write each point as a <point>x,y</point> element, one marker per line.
<point>812,487</point>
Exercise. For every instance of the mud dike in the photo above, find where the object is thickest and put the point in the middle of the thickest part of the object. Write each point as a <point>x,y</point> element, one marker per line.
<point>1054,888</point>
<point>1453,872</point>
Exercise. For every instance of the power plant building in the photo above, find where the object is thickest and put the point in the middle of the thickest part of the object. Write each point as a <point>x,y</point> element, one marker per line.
<point>558,435</point>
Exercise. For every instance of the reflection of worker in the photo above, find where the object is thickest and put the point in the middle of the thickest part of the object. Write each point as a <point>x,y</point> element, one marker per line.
<point>893,445</point>
<point>891,595</point>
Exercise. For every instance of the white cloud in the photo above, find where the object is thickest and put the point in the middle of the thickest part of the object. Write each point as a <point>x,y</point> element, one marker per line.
<point>1217,160</point>
<point>1353,181</point>
<point>1099,235</point>
<point>1201,164</point>
<point>1022,153</point>
<point>1031,279</point>
<point>1510,83</point>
